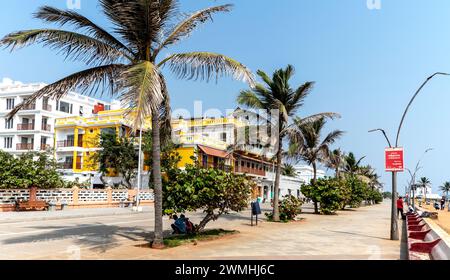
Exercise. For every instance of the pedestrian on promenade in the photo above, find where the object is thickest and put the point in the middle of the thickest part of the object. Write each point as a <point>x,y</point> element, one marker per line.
<point>400,207</point>
<point>443,203</point>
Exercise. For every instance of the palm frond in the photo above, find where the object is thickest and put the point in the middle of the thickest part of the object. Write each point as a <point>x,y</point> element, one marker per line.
<point>250,99</point>
<point>74,46</point>
<point>88,82</point>
<point>142,92</point>
<point>184,28</point>
<point>332,138</point>
<point>205,65</point>
<point>61,17</point>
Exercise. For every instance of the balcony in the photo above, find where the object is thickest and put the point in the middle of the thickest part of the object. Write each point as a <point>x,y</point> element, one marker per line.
<point>25,147</point>
<point>250,171</point>
<point>47,107</point>
<point>69,165</point>
<point>68,144</point>
<point>29,107</point>
<point>45,147</point>
<point>46,127</point>
<point>25,126</point>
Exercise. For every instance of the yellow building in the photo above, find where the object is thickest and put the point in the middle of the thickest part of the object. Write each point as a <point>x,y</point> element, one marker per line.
<point>77,138</point>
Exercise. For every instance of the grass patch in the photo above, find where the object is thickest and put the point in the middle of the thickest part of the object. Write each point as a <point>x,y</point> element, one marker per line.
<point>178,240</point>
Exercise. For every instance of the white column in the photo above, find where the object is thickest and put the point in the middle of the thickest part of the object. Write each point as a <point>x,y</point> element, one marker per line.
<point>37,142</point>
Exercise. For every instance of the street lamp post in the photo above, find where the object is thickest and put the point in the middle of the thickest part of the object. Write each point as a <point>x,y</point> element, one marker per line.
<point>394,224</point>
<point>413,175</point>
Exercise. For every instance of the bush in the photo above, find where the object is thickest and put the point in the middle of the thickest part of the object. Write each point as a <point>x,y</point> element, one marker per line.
<point>290,207</point>
<point>329,192</point>
<point>359,191</point>
<point>29,170</point>
<point>375,196</point>
<point>214,191</point>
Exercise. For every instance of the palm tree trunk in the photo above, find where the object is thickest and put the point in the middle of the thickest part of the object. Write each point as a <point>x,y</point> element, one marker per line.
<point>158,241</point>
<point>316,204</point>
<point>276,210</point>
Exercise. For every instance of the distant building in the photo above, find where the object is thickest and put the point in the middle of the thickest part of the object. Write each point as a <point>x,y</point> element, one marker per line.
<point>32,129</point>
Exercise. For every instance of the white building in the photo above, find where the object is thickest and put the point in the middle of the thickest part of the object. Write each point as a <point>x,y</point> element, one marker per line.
<point>32,129</point>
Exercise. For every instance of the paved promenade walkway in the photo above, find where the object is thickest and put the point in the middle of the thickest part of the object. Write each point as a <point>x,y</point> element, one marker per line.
<point>116,234</point>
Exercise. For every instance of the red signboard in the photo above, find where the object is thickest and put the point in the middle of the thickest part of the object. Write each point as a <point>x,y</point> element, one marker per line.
<point>394,160</point>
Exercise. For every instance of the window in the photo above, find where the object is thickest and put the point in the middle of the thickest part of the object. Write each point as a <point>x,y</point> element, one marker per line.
<point>223,137</point>
<point>65,107</point>
<point>107,107</point>
<point>9,124</point>
<point>205,160</point>
<point>9,104</point>
<point>81,111</point>
<point>8,142</point>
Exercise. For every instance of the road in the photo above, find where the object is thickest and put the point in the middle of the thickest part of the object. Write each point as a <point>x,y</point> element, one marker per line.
<point>361,234</point>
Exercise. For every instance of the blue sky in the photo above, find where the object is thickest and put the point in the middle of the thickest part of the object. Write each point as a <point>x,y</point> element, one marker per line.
<point>366,63</point>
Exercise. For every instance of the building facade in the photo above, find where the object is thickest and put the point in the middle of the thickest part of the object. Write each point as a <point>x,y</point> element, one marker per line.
<point>33,128</point>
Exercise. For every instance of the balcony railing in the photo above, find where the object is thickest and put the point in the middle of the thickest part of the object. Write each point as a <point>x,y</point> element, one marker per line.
<point>29,107</point>
<point>69,165</point>
<point>250,171</point>
<point>46,127</point>
<point>24,147</point>
<point>45,147</point>
<point>47,107</point>
<point>68,144</point>
<point>25,126</point>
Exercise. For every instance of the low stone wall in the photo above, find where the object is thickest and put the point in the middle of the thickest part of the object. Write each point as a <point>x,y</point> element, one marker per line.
<point>75,198</point>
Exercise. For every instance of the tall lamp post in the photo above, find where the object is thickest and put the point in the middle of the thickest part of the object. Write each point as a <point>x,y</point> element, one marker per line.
<point>394,224</point>
<point>413,175</point>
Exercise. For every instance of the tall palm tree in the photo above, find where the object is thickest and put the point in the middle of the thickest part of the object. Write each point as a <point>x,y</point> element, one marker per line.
<point>446,188</point>
<point>335,161</point>
<point>424,182</point>
<point>306,145</point>
<point>125,62</point>
<point>278,96</point>
<point>352,166</point>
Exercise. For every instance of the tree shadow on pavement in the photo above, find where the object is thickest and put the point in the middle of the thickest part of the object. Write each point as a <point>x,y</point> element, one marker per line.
<point>98,237</point>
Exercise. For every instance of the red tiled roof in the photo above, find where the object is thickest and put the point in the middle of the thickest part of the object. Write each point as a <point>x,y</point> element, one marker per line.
<point>213,152</point>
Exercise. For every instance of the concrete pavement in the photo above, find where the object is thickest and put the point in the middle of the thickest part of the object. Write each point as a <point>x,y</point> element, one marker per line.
<point>353,234</point>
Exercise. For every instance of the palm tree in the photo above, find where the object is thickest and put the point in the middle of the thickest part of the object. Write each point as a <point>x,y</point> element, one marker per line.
<point>289,170</point>
<point>125,62</point>
<point>277,95</point>
<point>306,145</point>
<point>446,188</point>
<point>335,161</point>
<point>424,182</point>
<point>352,166</point>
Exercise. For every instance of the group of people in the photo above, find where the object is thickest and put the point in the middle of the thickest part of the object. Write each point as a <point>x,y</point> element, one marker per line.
<point>440,207</point>
<point>182,225</point>
<point>400,205</point>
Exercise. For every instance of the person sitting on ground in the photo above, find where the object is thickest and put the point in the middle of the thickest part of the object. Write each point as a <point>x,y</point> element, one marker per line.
<point>179,227</point>
<point>189,226</point>
<point>437,206</point>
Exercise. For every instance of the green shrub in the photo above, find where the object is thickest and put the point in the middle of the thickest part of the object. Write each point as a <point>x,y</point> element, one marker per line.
<point>329,192</point>
<point>290,207</point>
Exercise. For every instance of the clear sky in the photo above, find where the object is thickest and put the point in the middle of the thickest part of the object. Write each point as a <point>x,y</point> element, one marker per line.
<point>367,64</point>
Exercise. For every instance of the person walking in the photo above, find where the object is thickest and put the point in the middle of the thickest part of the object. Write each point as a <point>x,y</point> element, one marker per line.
<point>400,207</point>
<point>443,203</point>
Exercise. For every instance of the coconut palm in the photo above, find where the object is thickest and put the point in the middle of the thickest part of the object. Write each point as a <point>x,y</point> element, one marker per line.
<point>306,145</point>
<point>126,63</point>
<point>352,166</point>
<point>335,161</point>
<point>289,170</point>
<point>282,102</point>
<point>445,188</point>
<point>424,182</point>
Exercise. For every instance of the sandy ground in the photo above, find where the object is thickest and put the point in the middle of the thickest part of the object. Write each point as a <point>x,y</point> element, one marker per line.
<point>443,218</point>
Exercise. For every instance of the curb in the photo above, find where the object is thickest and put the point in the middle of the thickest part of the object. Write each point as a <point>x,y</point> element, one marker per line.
<point>12,221</point>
